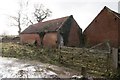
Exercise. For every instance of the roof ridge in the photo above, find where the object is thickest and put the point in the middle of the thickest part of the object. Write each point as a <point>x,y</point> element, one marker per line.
<point>50,25</point>
<point>55,19</point>
<point>49,20</point>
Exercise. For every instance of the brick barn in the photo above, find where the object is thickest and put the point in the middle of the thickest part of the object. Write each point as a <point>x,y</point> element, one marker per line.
<point>53,33</point>
<point>105,27</point>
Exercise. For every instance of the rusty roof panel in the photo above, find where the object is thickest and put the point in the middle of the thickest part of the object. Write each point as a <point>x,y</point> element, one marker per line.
<point>50,25</point>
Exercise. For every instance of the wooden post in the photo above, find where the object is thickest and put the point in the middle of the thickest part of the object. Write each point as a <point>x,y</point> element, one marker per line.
<point>83,71</point>
<point>115,58</point>
<point>108,56</point>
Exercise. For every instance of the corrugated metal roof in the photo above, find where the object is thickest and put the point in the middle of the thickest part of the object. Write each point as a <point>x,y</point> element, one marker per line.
<point>50,25</point>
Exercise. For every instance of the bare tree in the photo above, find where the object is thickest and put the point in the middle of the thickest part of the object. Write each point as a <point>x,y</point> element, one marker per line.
<point>18,21</point>
<point>20,18</point>
<point>40,13</point>
<point>4,33</point>
<point>23,19</point>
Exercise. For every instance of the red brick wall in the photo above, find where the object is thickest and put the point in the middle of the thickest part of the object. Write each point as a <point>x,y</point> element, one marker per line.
<point>29,38</point>
<point>104,27</point>
<point>74,35</point>
<point>50,39</point>
<point>119,32</point>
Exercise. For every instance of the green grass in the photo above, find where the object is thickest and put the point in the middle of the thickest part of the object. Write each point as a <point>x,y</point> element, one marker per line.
<point>74,58</point>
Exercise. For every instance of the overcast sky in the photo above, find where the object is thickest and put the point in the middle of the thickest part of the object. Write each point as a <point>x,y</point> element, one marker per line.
<point>83,11</point>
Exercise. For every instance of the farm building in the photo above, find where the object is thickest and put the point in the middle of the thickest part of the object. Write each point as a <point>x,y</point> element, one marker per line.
<point>53,33</point>
<point>105,27</point>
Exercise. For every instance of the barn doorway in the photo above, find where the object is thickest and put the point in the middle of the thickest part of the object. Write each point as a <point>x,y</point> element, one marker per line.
<point>41,35</point>
<point>61,41</point>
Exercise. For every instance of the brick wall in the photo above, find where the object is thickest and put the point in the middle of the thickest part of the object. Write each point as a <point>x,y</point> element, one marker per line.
<point>74,38</point>
<point>104,27</point>
<point>119,32</point>
<point>29,38</point>
<point>50,39</point>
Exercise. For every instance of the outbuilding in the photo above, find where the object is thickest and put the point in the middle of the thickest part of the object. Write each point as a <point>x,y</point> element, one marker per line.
<point>53,33</point>
<point>105,27</point>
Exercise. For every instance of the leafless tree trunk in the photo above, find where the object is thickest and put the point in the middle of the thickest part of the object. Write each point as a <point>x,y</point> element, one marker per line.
<point>19,23</point>
<point>18,20</point>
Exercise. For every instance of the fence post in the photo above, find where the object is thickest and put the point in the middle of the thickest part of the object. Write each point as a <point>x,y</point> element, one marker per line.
<point>114,58</point>
<point>83,71</point>
<point>108,56</point>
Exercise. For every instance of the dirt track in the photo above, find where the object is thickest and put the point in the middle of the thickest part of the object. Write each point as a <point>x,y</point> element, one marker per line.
<point>15,68</point>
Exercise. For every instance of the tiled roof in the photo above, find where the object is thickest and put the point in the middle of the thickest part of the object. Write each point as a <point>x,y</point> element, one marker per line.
<point>50,25</point>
